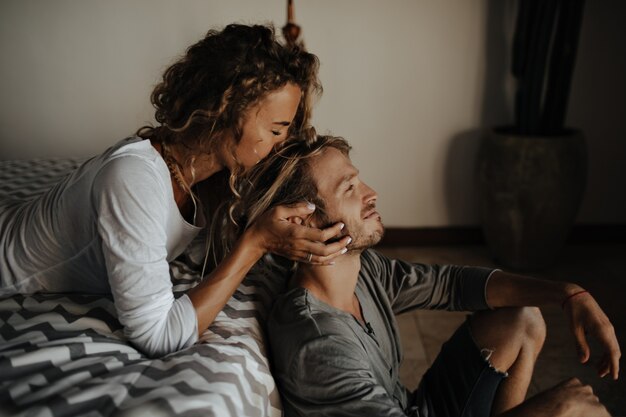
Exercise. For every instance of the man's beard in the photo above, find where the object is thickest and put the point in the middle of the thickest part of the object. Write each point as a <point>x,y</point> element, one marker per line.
<point>361,243</point>
<point>362,239</point>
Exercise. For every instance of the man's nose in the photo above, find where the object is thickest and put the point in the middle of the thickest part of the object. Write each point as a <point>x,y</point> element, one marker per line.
<point>368,193</point>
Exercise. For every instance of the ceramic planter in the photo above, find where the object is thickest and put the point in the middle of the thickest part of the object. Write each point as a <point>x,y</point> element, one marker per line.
<point>530,189</point>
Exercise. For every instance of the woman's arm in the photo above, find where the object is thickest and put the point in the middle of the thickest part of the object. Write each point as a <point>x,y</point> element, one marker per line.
<point>210,296</point>
<point>274,233</point>
<point>131,214</point>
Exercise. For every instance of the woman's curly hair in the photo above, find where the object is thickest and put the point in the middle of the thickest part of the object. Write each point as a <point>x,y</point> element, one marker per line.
<point>207,91</point>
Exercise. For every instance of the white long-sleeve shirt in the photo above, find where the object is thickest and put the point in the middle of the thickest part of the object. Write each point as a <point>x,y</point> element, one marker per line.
<point>111,226</point>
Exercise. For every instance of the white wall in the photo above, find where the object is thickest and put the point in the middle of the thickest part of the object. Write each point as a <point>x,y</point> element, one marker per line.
<point>405,82</point>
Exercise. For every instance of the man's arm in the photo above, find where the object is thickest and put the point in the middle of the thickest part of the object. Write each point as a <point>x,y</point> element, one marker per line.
<point>412,286</point>
<point>510,290</point>
<point>584,313</point>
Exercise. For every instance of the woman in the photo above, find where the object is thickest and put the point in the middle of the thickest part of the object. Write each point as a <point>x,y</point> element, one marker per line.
<point>114,223</point>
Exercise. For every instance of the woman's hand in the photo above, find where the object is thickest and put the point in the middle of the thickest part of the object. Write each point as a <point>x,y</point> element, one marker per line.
<point>280,231</point>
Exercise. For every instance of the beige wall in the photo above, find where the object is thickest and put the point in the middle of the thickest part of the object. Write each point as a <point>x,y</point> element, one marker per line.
<point>410,83</point>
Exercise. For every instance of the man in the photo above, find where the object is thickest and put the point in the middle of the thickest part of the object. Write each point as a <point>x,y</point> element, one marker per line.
<point>334,339</point>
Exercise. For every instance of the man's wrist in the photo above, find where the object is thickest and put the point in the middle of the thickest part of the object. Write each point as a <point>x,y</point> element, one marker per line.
<point>570,290</point>
<point>576,294</point>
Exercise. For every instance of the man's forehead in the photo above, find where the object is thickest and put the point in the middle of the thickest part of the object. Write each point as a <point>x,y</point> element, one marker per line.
<point>331,168</point>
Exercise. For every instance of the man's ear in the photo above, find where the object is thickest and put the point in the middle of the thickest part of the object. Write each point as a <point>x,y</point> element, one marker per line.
<point>296,220</point>
<point>303,221</point>
<point>311,221</point>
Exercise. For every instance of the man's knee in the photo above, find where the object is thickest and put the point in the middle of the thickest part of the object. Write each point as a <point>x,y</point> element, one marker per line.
<point>512,326</point>
<point>531,322</point>
<point>506,332</point>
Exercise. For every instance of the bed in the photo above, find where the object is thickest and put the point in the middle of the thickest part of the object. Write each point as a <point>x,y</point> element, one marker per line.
<point>65,354</point>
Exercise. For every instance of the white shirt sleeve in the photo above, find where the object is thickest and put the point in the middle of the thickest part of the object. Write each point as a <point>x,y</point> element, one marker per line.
<point>131,211</point>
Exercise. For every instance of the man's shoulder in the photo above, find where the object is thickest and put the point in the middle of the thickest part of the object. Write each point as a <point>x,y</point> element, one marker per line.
<point>303,316</point>
<point>374,263</point>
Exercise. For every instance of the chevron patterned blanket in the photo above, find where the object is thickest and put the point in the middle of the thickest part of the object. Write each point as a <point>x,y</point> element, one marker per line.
<point>65,354</point>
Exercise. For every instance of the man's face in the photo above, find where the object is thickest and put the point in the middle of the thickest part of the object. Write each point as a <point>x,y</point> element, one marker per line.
<point>347,198</point>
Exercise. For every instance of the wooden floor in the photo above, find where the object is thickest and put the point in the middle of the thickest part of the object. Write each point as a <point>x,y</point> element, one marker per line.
<point>599,268</point>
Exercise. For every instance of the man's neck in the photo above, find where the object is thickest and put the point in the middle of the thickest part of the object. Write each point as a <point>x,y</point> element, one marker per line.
<point>333,284</point>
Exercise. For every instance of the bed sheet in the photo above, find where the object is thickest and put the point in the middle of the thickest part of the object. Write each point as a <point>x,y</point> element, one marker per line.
<point>66,355</point>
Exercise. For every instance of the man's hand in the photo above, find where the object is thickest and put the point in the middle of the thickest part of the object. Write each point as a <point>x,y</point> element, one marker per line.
<point>584,313</point>
<point>568,399</point>
<point>586,317</point>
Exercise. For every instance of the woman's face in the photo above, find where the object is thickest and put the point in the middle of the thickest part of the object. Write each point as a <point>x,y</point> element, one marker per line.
<point>266,124</point>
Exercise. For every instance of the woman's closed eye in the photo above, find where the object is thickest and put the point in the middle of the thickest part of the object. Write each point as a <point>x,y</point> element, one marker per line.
<point>276,132</point>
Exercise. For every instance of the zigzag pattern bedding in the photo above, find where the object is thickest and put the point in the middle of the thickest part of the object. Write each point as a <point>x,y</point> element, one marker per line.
<point>65,355</point>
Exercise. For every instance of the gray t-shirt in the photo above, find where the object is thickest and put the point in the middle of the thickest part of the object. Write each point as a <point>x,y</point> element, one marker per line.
<point>111,226</point>
<point>328,363</point>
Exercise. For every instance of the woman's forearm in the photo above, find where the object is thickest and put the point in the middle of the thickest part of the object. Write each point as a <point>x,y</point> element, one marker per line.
<point>510,290</point>
<point>210,296</point>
